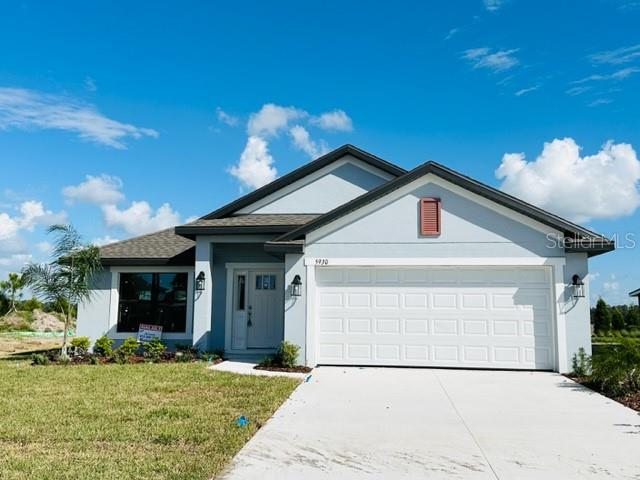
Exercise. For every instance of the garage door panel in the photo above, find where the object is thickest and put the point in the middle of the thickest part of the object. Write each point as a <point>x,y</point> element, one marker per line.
<point>470,317</point>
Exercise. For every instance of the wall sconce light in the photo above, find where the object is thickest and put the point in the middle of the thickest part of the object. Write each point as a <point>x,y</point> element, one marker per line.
<point>296,286</point>
<point>200,282</point>
<point>578,286</point>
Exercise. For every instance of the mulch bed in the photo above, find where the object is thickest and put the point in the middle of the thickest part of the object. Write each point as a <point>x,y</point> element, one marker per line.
<point>631,400</point>
<point>296,369</point>
<point>88,359</point>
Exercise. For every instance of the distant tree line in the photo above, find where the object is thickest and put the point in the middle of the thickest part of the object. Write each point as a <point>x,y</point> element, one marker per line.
<point>607,319</point>
<point>11,299</point>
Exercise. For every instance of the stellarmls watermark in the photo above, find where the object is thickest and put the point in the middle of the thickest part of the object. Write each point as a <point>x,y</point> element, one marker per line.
<point>627,240</point>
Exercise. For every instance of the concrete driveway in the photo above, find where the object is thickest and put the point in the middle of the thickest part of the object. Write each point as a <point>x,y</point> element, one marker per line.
<point>384,423</point>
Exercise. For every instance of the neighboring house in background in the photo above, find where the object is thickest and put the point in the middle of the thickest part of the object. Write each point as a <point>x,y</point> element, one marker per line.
<point>425,267</point>
<point>636,293</point>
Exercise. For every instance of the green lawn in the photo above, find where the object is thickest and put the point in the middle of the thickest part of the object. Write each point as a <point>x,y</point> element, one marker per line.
<point>146,421</point>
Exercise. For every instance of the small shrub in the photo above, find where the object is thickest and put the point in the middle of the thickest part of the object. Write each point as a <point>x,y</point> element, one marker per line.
<point>81,345</point>
<point>617,370</point>
<point>267,362</point>
<point>154,349</point>
<point>103,346</point>
<point>39,359</point>
<point>209,356</point>
<point>126,349</point>
<point>581,363</point>
<point>186,353</point>
<point>93,360</point>
<point>287,354</point>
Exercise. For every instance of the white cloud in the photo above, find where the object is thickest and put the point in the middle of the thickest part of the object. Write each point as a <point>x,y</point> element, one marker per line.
<point>13,248</point>
<point>30,109</point>
<point>99,190</point>
<point>493,5</point>
<point>617,56</point>
<point>302,141</point>
<point>497,61</point>
<point>600,101</point>
<point>226,118</point>
<point>524,91</point>
<point>612,285</point>
<point>617,75</point>
<point>451,33</point>
<point>271,119</point>
<point>140,218</point>
<point>15,261</point>
<point>44,246</point>
<point>578,90</point>
<point>336,120</point>
<point>102,241</point>
<point>90,84</point>
<point>604,185</point>
<point>255,167</point>
<point>31,213</point>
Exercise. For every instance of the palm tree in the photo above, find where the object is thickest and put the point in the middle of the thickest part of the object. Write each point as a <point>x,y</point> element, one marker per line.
<point>13,286</point>
<point>65,281</point>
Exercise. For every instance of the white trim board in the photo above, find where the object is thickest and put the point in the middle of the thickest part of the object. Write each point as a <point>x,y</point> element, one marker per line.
<point>422,261</point>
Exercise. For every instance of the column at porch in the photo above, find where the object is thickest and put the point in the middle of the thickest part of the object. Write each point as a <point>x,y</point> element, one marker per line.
<point>202,304</point>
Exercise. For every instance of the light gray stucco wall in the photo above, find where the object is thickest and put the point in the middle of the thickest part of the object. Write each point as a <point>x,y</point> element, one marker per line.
<point>340,185</point>
<point>223,254</point>
<point>93,316</point>
<point>468,229</point>
<point>295,313</point>
<point>577,311</point>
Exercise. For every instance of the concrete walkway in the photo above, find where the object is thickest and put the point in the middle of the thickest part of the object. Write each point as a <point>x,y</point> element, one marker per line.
<point>379,423</point>
<point>246,368</point>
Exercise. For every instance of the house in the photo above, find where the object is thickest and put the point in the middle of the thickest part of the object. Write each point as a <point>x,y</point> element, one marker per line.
<point>360,262</point>
<point>636,293</point>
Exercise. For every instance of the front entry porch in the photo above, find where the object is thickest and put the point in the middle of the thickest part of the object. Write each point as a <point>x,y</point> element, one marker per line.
<point>241,307</point>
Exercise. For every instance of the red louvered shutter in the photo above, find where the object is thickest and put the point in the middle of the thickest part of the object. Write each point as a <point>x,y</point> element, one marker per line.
<point>430,216</point>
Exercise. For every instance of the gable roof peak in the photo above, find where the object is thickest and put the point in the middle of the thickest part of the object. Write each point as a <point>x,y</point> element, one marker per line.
<point>302,172</point>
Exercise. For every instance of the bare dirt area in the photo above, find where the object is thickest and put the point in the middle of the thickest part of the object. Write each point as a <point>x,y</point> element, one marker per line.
<point>14,344</point>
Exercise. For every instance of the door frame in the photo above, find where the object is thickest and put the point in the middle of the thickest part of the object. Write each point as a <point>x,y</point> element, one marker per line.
<point>231,269</point>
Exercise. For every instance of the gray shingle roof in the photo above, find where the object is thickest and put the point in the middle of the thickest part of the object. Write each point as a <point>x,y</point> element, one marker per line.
<point>168,247</point>
<point>251,223</point>
<point>159,247</point>
<point>263,219</point>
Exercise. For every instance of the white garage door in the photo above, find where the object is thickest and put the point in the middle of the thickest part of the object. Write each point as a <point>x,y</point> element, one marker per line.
<point>488,317</point>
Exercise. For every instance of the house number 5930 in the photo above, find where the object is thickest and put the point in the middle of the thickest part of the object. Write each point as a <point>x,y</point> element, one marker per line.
<point>322,261</point>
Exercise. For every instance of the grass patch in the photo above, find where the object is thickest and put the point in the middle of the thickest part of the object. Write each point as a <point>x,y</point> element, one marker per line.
<point>160,421</point>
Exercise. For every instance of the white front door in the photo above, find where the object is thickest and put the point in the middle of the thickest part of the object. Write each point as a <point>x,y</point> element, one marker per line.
<point>488,317</point>
<point>264,308</point>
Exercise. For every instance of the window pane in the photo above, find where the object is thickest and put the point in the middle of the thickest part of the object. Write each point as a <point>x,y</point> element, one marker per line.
<point>272,282</point>
<point>135,301</point>
<point>156,298</point>
<point>240,293</point>
<point>171,298</point>
<point>258,282</point>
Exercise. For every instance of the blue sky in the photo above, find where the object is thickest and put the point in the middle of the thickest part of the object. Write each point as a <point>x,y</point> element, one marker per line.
<point>158,101</point>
